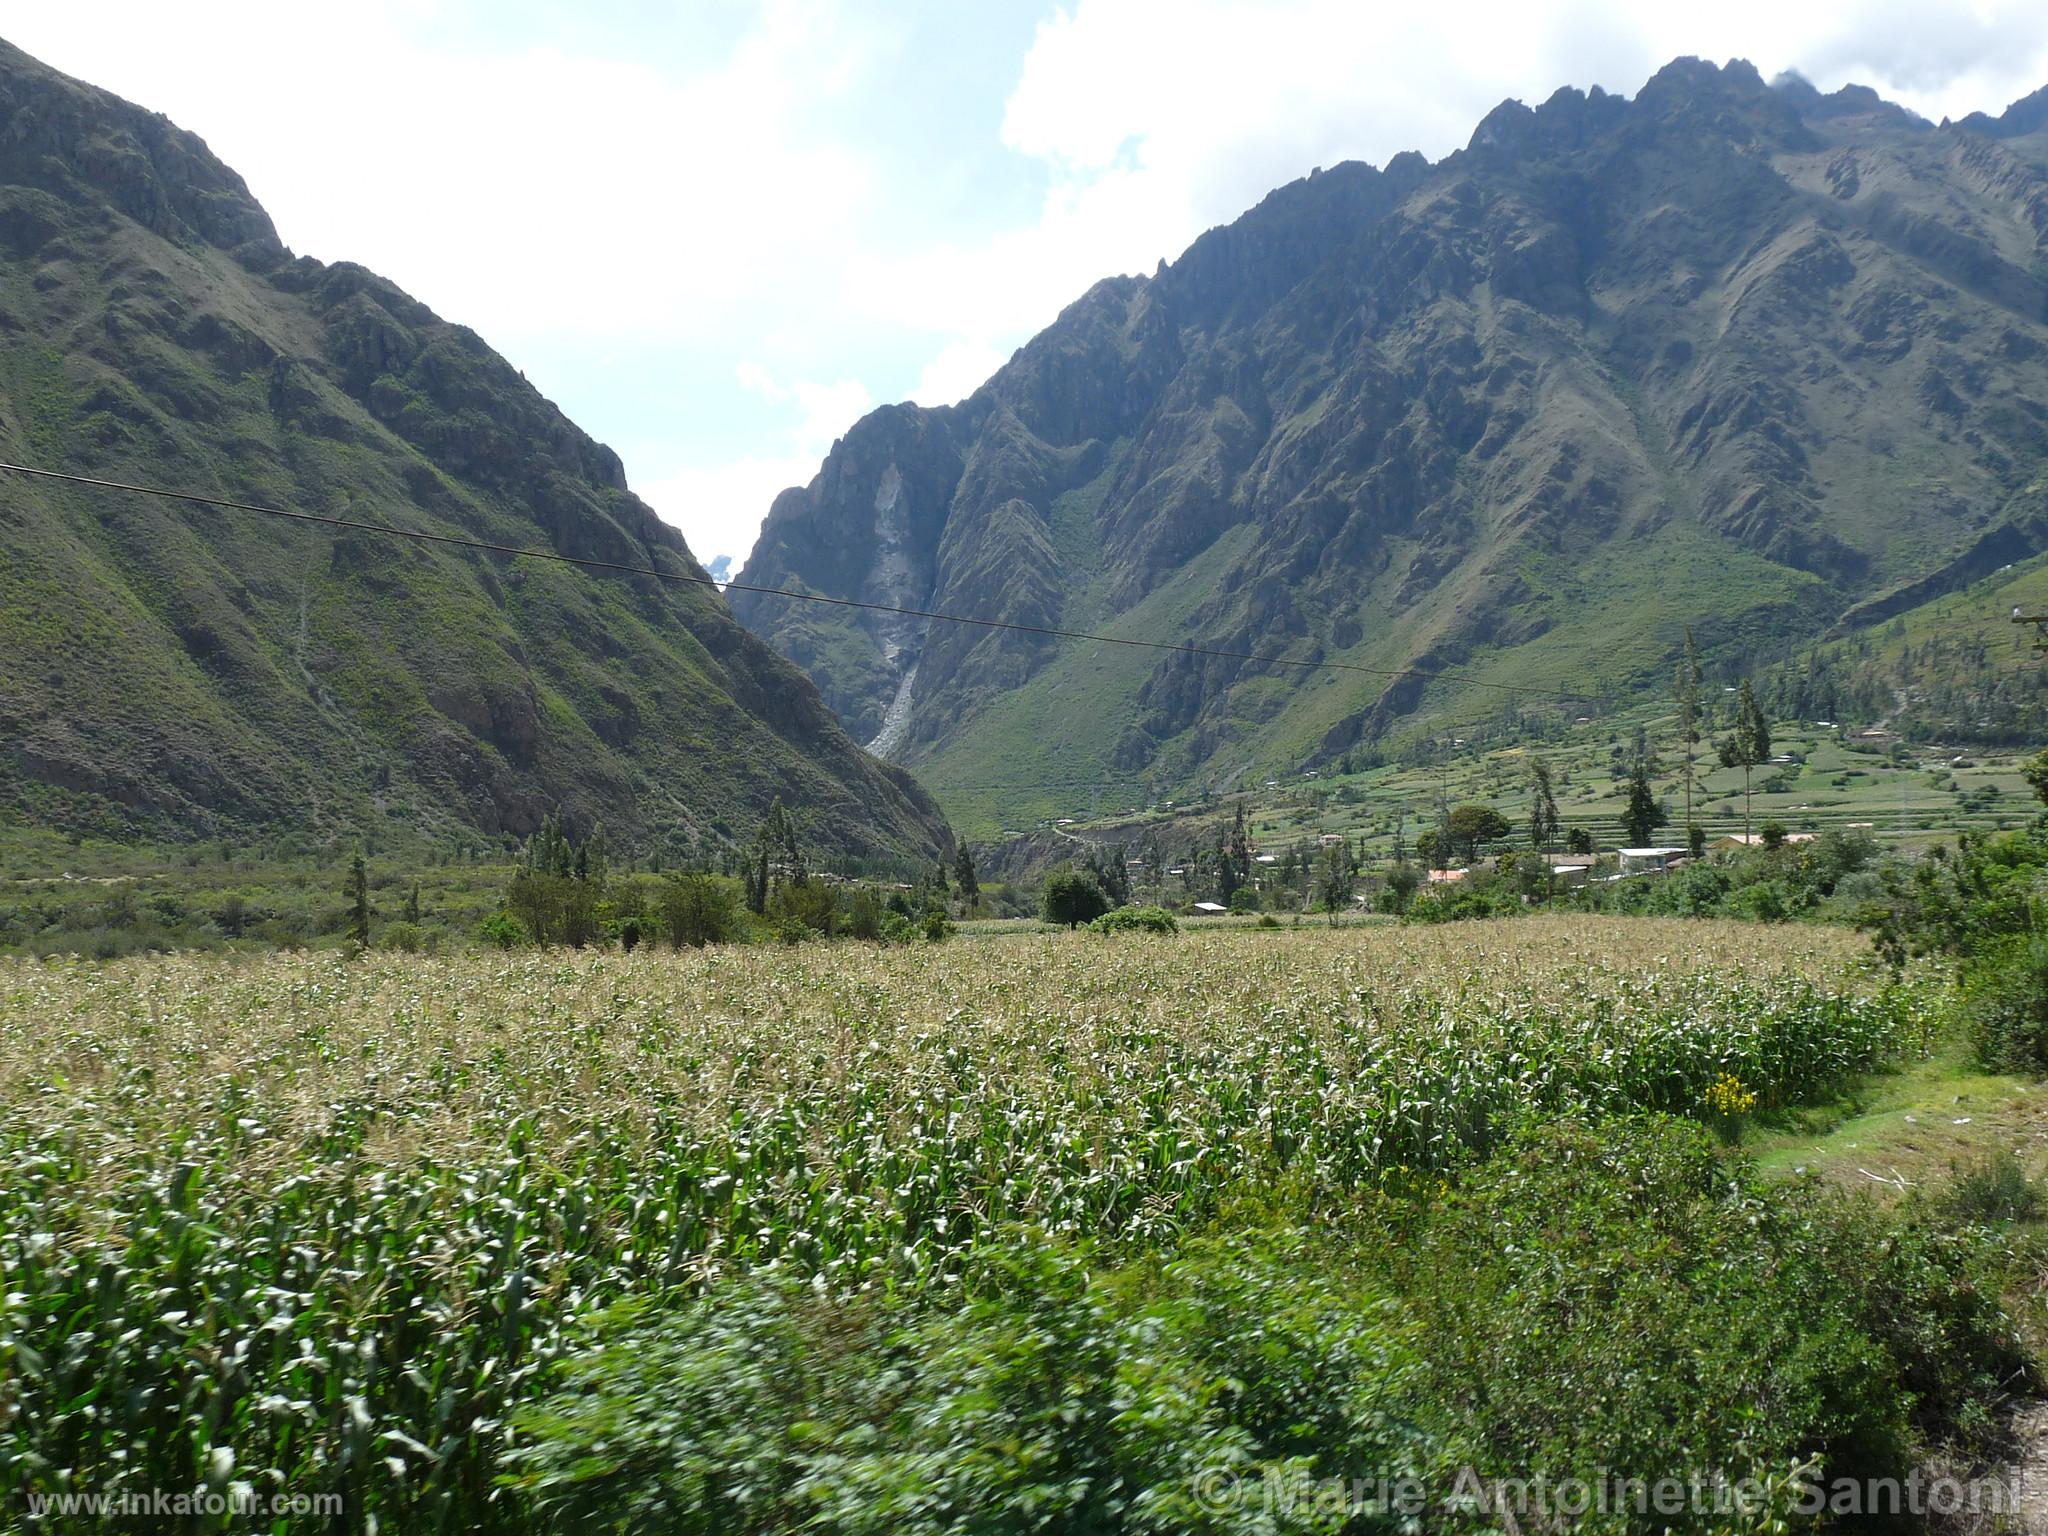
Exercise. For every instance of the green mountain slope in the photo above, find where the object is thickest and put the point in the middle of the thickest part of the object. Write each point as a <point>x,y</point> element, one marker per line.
<point>1729,355</point>
<point>173,670</point>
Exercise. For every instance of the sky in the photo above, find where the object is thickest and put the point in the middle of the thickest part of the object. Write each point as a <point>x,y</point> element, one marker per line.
<point>717,233</point>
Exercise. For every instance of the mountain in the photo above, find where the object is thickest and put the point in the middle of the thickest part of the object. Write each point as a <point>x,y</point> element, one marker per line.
<point>171,670</point>
<point>1728,354</point>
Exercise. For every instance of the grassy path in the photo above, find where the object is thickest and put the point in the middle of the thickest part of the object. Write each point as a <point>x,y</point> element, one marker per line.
<point>1903,1130</point>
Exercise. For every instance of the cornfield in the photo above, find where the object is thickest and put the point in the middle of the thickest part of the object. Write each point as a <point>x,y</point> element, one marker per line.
<point>317,1225</point>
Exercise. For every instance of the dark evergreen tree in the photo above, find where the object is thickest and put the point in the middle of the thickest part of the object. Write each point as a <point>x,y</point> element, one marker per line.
<point>1543,819</point>
<point>965,880</point>
<point>1643,815</point>
<point>358,901</point>
<point>1686,693</point>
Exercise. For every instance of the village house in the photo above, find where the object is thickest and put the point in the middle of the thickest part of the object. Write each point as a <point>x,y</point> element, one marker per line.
<point>1649,861</point>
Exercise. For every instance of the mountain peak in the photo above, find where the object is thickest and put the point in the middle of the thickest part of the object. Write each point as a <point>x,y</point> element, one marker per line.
<point>81,143</point>
<point>1618,367</point>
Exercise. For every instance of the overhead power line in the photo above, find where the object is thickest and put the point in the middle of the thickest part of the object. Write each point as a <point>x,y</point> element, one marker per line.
<point>686,578</point>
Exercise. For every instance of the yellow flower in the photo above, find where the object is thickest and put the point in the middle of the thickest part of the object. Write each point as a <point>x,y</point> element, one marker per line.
<point>1726,1096</point>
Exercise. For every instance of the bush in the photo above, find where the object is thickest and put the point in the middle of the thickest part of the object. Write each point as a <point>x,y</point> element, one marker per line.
<point>1244,901</point>
<point>864,909</point>
<point>1072,897</point>
<point>1475,896</point>
<point>1136,920</point>
<point>1766,902</point>
<point>701,909</point>
<point>936,927</point>
<point>405,938</point>
<point>2005,1005</point>
<point>810,903</point>
<point>1598,1297</point>
<point>502,930</point>
<point>1056,1398</point>
<point>1994,1188</point>
<point>1696,890</point>
<point>1595,1300</point>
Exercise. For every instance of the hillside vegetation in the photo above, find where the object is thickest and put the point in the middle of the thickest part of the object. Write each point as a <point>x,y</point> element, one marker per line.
<point>178,671</point>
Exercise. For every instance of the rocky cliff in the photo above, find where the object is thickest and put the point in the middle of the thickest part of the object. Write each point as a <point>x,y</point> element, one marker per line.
<point>1729,354</point>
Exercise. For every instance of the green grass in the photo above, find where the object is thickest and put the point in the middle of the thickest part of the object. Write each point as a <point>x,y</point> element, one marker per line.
<point>1906,1129</point>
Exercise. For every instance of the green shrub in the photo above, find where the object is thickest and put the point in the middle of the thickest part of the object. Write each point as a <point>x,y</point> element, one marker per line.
<point>1767,901</point>
<point>1623,1297</point>
<point>1993,1188</point>
<point>1072,897</point>
<point>1476,895</point>
<point>404,938</point>
<point>1055,1398</point>
<point>936,927</point>
<point>811,903</point>
<point>1136,920</point>
<point>863,913</point>
<point>1696,890</point>
<point>697,910</point>
<point>2005,1005</point>
<point>1244,901</point>
<point>504,931</point>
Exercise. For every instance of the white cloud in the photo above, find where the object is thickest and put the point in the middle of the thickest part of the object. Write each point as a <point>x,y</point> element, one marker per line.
<point>719,504</point>
<point>961,368</point>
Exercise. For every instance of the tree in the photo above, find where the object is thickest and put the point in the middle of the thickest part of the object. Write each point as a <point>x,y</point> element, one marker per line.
<point>1685,691</point>
<point>2035,772</point>
<point>1109,867</point>
<point>559,885</point>
<point>1072,897</point>
<point>412,905</point>
<point>358,901</point>
<point>1543,820</point>
<point>1437,847</point>
<point>965,880</point>
<point>699,909</point>
<point>1233,858</point>
<point>1643,815</point>
<point>1471,825</point>
<point>1748,745</point>
<point>1578,840</point>
<point>1399,891</point>
<point>1336,878</point>
<point>776,855</point>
